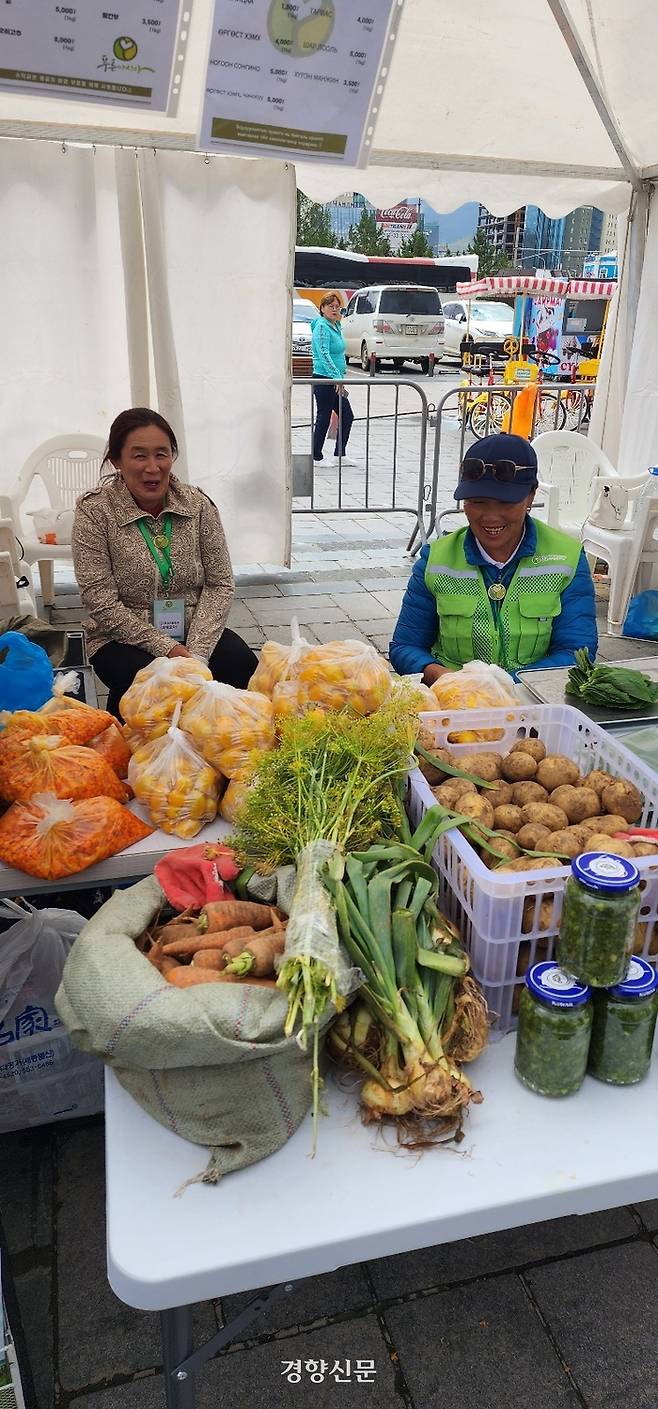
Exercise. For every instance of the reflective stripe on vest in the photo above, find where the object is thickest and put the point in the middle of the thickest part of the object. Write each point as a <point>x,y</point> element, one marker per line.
<point>522,632</point>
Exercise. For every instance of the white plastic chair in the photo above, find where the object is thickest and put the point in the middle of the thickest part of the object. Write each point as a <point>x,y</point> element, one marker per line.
<point>567,463</point>
<point>14,601</point>
<point>629,552</point>
<point>67,465</point>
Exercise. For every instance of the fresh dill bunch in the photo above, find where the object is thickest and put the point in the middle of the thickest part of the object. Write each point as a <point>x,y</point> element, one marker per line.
<point>333,777</point>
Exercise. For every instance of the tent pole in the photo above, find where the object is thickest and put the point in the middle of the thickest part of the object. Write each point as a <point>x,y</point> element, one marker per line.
<point>638,224</point>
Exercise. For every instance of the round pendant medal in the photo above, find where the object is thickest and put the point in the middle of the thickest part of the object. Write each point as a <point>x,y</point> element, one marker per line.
<point>160,540</point>
<point>496,592</point>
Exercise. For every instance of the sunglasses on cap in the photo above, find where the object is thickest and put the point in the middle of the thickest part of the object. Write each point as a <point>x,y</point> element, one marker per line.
<point>505,471</point>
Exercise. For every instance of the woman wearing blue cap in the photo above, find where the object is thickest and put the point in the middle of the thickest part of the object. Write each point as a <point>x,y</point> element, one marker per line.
<point>508,589</point>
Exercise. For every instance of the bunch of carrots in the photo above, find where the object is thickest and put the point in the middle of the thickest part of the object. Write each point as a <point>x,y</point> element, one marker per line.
<point>229,941</point>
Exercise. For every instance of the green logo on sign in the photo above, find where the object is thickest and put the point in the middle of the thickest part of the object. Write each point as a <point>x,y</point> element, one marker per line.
<point>124,48</point>
<point>298,28</point>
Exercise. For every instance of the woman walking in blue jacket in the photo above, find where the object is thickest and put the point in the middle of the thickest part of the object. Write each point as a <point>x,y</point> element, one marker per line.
<point>328,348</point>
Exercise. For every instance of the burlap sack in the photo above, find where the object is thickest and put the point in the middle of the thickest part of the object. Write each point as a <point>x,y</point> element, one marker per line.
<point>210,1063</point>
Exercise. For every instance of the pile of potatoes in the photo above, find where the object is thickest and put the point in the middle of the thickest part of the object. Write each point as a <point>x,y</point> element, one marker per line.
<point>540,802</point>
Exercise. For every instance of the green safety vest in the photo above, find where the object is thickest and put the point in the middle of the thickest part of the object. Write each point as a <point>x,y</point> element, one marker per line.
<point>521,633</point>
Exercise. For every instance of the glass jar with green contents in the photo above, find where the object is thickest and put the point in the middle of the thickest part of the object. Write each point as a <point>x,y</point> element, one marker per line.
<point>623,1027</point>
<point>599,914</point>
<point>552,1039</point>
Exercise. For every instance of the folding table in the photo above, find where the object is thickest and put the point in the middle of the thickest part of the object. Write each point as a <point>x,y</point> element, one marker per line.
<point>524,1159</point>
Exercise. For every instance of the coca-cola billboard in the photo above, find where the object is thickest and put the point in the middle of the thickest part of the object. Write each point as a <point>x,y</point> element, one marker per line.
<point>398,223</point>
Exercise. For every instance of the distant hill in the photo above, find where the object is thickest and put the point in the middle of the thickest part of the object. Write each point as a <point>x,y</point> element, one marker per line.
<point>455,229</point>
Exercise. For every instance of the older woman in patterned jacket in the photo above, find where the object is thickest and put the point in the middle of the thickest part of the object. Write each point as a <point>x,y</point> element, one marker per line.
<point>152,563</point>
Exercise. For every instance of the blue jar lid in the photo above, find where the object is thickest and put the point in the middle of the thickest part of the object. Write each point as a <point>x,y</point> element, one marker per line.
<point>602,870</point>
<point>553,985</point>
<point>640,982</point>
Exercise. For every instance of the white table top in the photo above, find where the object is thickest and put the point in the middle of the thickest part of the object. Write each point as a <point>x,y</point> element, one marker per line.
<point>133,863</point>
<point>524,1159</point>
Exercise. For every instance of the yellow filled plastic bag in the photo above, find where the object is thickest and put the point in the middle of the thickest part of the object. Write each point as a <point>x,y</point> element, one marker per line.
<point>233,799</point>
<point>277,673</point>
<point>178,788</point>
<point>476,686</point>
<point>344,674</point>
<point>227,725</point>
<point>150,701</point>
<point>273,666</point>
<point>415,694</point>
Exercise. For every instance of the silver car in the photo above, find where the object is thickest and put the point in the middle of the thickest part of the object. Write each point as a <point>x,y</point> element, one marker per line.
<point>304,314</point>
<point>489,327</point>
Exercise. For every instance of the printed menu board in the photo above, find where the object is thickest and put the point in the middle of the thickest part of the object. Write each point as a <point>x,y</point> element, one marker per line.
<point>293,77</point>
<point>119,51</point>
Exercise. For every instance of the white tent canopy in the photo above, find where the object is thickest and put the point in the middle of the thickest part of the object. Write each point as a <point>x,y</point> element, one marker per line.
<point>506,103</point>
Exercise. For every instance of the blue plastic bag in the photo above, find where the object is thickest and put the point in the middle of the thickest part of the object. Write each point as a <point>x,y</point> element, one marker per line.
<point>642,617</point>
<point>26,675</point>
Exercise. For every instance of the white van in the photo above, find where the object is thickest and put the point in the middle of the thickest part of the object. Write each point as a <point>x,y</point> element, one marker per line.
<point>397,322</point>
<point>489,326</point>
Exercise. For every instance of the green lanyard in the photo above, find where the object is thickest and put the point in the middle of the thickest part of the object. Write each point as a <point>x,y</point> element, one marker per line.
<point>159,548</point>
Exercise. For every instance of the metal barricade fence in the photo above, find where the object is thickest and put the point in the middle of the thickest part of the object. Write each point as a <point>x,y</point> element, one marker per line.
<point>466,414</point>
<point>388,440</point>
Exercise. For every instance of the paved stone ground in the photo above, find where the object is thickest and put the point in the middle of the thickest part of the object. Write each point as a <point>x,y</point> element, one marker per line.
<point>558,1315</point>
<point>386,444</point>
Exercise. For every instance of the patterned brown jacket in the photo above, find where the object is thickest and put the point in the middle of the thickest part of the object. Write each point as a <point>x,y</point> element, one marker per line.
<point>118,578</point>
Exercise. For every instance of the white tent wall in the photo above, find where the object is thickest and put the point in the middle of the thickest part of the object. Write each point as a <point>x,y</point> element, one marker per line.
<point>638,442</point>
<point>86,235</point>
<point>134,272</point>
<point>163,345</point>
<point>219,241</point>
<point>63,349</point>
<point>607,411</point>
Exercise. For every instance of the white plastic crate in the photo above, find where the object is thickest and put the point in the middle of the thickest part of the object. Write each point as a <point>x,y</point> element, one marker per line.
<point>489,906</point>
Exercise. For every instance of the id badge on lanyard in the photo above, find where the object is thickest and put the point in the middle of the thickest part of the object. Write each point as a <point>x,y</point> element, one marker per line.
<point>169,617</point>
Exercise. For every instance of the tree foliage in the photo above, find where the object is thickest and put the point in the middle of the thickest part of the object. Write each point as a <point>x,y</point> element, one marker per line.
<point>416,247</point>
<point>313,223</point>
<point>490,259</point>
<point>365,238</point>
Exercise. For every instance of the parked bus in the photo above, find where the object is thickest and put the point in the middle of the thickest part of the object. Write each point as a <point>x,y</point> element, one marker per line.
<point>317,270</point>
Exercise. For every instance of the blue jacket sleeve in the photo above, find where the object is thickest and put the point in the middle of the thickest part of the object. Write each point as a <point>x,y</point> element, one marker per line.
<point>416,627</point>
<point>323,362</point>
<point>576,624</point>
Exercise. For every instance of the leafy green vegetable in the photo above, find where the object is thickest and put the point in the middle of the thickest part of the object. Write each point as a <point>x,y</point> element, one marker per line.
<point>330,786</point>
<point>426,1014</point>
<point>331,779</point>
<point>610,685</point>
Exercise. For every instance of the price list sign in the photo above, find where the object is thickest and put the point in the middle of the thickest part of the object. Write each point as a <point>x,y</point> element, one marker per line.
<point>108,52</point>
<point>293,77</point>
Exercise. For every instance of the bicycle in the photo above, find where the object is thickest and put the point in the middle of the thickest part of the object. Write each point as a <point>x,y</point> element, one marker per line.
<point>487,414</point>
